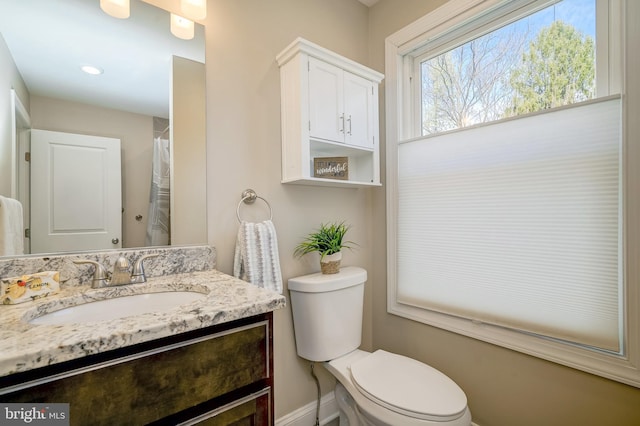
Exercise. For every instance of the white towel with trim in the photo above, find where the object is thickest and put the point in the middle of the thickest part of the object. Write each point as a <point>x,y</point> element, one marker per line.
<point>11,227</point>
<point>256,255</point>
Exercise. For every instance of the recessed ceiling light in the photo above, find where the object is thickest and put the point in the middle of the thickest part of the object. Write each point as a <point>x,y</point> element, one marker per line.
<point>90,69</point>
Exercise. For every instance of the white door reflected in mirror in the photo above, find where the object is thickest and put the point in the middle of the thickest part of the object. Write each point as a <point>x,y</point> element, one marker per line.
<point>76,201</point>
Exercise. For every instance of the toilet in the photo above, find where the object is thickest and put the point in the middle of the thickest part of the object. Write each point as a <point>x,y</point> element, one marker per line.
<point>373,388</point>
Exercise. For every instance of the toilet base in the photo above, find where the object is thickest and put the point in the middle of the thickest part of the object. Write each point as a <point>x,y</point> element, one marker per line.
<point>350,415</point>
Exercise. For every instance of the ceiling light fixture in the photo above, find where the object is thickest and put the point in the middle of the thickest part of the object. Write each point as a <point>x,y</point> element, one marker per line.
<point>194,9</point>
<point>116,8</point>
<point>90,69</point>
<point>181,27</point>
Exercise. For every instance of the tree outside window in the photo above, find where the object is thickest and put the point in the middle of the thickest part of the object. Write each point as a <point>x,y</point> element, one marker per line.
<point>536,63</point>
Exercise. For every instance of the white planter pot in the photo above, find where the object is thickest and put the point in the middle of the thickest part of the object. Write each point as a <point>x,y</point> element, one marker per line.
<point>330,264</point>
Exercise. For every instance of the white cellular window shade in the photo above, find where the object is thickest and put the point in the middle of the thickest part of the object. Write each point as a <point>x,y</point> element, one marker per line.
<point>518,224</point>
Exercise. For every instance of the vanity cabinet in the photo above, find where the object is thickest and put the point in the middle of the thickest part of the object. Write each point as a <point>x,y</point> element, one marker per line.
<point>329,110</point>
<point>220,375</point>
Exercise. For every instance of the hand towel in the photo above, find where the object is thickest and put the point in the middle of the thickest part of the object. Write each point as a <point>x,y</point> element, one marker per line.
<point>256,255</point>
<point>11,242</point>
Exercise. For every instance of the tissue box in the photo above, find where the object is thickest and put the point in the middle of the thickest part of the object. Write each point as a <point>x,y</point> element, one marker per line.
<point>29,287</point>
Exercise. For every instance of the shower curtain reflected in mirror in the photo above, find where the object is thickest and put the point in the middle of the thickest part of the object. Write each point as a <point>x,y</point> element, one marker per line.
<point>158,224</point>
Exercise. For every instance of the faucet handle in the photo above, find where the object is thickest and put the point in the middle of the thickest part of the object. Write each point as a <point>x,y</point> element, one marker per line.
<point>100,275</point>
<point>137,275</point>
<point>121,272</point>
<point>121,266</point>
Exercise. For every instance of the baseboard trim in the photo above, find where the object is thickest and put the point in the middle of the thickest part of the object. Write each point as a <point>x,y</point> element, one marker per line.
<point>306,415</point>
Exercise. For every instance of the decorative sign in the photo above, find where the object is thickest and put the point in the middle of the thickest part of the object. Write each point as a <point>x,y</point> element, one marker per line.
<point>331,167</point>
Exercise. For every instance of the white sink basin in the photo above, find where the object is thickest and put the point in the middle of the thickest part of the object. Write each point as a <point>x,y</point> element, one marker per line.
<point>118,307</point>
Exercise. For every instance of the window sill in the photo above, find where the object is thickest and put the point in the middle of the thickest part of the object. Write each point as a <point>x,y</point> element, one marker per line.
<point>610,366</point>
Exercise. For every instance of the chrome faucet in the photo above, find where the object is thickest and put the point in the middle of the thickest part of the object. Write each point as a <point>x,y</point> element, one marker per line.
<point>122,273</point>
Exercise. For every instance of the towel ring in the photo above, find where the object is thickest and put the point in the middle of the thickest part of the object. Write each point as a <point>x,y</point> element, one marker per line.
<point>249,196</point>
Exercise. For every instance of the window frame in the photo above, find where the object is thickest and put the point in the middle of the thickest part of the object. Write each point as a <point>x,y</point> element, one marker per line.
<point>619,76</point>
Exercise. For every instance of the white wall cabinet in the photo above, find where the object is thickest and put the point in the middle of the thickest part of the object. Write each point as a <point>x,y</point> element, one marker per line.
<point>340,105</point>
<point>329,109</point>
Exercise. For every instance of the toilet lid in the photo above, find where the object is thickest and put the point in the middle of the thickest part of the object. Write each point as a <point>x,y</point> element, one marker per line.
<point>408,387</point>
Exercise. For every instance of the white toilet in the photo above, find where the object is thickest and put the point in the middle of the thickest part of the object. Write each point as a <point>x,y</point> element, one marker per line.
<point>378,388</point>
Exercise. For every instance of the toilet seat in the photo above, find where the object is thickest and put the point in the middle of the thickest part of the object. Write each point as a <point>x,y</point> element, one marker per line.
<point>408,387</point>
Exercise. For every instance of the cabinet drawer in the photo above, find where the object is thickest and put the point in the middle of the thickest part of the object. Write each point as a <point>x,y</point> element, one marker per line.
<point>158,383</point>
<point>252,410</point>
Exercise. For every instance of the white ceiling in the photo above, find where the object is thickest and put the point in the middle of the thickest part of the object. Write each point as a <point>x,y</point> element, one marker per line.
<point>369,2</point>
<point>51,39</point>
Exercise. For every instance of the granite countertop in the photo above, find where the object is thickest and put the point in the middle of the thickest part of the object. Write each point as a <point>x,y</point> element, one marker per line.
<point>24,346</point>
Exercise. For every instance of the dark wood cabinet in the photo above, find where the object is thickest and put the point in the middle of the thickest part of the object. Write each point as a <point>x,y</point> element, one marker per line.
<point>220,375</point>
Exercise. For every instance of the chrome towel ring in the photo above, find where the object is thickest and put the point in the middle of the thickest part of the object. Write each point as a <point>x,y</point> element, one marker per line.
<point>249,196</point>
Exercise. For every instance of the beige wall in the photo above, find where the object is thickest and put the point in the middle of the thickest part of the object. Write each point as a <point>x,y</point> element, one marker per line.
<point>243,149</point>
<point>188,160</point>
<point>10,78</point>
<point>504,388</point>
<point>135,132</point>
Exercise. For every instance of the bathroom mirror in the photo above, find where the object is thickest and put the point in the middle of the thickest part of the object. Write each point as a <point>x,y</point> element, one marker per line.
<point>139,84</point>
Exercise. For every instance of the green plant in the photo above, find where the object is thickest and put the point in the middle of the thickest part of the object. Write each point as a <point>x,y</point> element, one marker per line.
<point>329,239</point>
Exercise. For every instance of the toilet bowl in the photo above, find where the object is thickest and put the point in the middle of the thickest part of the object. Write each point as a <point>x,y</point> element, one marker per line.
<point>379,388</point>
<point>390,389</point>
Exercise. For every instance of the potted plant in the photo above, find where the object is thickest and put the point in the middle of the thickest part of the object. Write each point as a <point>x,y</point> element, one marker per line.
<point>329,242</point>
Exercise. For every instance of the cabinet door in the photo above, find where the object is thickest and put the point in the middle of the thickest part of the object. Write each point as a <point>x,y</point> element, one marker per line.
<point>358,110</point>
<point>325,101</point>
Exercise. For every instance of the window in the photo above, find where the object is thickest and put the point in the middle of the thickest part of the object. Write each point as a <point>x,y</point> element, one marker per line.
<point>543,60</point>
<point>508,187</point>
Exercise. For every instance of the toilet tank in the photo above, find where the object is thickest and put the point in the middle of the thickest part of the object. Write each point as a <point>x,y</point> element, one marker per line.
<point>327,313</point>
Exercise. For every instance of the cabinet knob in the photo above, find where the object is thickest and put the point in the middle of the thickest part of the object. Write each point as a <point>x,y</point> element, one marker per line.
<point>341,123</point>
<point>349,121</point>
